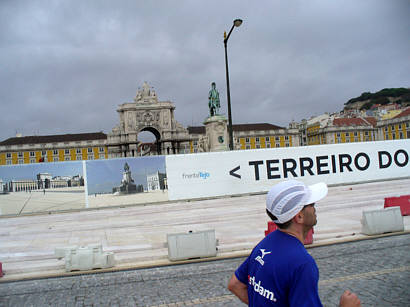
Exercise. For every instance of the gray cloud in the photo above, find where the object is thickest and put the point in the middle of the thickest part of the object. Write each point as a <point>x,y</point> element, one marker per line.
<point>67,65</point>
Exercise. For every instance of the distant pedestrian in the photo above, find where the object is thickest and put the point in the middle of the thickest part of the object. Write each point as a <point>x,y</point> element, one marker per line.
<point>44,191</point>
<point>279,271</point>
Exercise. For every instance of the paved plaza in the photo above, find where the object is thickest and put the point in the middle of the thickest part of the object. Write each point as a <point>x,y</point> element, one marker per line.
<point>137,235</point>
<point>377,270</point>
<point>70,199</point>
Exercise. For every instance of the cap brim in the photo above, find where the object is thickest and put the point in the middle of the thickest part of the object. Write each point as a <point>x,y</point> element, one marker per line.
<point>318,191</point>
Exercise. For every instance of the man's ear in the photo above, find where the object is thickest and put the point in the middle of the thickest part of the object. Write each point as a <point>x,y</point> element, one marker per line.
<point>298,218</point>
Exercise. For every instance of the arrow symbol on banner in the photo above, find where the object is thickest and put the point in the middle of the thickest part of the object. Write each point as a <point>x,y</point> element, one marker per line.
<point>232,172</point>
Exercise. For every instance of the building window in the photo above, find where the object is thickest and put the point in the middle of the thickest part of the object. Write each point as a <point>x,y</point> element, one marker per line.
<point>67,151</point>
<point>267,139</point>
<point>287,144</point>
<point>407,125</point>
<point>399,126</point>
<point>20,154</point>
<point>78,157</point>
<point>355,133</point>
<point>347,141</point>
<point>32,154</point>
<point>277,145</point>
<point>257,140</point>
<point>393,136</point>
<point>286,138</point>
<point>67,158</point>
<point>55,152</point>
<point>102,148</point>
<point>401,134</point>
<point>32,160</point>
<point>277,139</point>
<point>268,145</point>
<point>90,157</point>
<point>366,133</point>
<point>338,140</point>
<point>195,143</point>
<point>20,161</point>
<point>347,134</point>
<point>246,140</point>
<point>90,150</point>
<point>356,139</point>
<point>8,162</point>
<point>78,151</point>
<point>44,153</point>
<point>385,129</point>
<point>248,147</point>
<point>258,146</point>
<point>338,134</point>
<point>8,155</point>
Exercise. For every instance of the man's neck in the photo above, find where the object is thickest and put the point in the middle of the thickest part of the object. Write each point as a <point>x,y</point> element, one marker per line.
<point>294,233</point>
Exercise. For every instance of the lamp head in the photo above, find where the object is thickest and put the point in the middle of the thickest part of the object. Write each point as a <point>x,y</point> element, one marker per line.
<point>237,22</point>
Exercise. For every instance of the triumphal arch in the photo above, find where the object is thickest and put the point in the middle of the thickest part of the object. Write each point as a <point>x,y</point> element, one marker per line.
<point>147,113</point>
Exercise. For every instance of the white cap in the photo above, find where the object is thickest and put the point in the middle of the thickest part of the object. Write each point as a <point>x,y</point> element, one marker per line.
<point>287,198</point>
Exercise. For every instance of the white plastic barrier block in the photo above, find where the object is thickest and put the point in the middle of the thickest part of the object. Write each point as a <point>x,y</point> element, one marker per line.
<point>59,252</point>
<point>85,257</point>
<point>382,221</point>
<point>191,245</point>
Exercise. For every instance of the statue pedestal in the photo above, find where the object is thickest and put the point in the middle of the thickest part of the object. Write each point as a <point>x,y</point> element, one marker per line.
<point>217,133</point>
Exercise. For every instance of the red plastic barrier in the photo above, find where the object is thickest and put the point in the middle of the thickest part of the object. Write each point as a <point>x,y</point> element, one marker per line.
<point>1,270</point>
<point>402,201</point>
<point>272,227</point>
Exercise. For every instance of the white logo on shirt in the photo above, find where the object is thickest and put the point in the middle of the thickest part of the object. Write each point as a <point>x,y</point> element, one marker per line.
<point>260,259</point>
<point>258,288</point>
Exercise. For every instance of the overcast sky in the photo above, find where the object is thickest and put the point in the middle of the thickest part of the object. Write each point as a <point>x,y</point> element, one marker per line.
<point>67,65</point>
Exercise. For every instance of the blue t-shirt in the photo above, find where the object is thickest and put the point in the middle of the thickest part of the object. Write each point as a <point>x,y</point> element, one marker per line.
<point>280,272</point>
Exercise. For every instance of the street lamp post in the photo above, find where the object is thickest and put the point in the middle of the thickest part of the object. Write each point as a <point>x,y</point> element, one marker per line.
<point>236,23</point>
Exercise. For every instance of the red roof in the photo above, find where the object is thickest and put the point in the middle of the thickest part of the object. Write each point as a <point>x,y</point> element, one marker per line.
<point>355,121</point>
<point>40,139</point>
<point>406,112</point>
<point>238,127</point>
<point>371,120</point>
<point>257,126</point>
<point>196,130</point>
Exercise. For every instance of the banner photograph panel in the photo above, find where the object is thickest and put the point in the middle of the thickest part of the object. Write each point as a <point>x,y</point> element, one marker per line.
<point>41,187</point>
<point>126,181</point>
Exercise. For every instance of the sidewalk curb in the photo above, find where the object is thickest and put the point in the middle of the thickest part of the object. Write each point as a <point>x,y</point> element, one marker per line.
<point>164,263</point>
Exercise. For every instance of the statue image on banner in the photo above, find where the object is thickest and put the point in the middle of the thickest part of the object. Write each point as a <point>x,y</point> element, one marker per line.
<point>128,185</point>
<point>213,103</point>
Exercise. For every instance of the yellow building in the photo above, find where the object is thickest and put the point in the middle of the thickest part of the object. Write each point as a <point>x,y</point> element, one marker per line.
<point>253,136</point>
<point>390,114</point>
<point>334,130</point>
<point>53,148</point>
<point>397,127</point>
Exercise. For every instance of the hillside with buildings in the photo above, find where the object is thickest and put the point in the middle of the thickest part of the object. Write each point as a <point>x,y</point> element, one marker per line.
<point>384,115</point>
<point>368,100</point>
